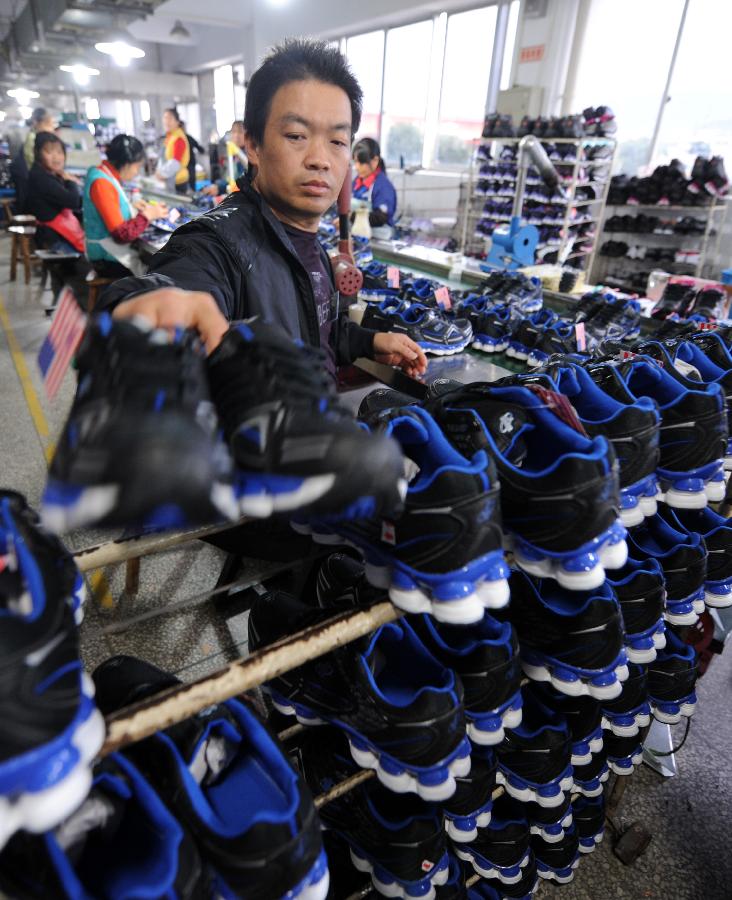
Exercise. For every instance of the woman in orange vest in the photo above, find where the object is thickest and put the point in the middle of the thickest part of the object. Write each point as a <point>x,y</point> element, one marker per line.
<point>173,164</point>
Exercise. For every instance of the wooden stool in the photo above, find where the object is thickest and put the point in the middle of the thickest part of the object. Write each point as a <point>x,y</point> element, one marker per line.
<point>23,220</point>
<point>94,287</point>
<point>22,248</point>
<point>7,205</point>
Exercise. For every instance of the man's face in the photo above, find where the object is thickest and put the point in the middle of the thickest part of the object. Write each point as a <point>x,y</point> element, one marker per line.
<point>304,157</point>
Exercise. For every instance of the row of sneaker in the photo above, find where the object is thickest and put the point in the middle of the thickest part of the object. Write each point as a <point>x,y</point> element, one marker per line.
<point>670,185</point>
<point>682,297</point>
<point>620,249</point>
<point>431,327</point>
<point>643,224</point>
<point>599,121</point>
<point>562,154</point>
<point>254,429</point>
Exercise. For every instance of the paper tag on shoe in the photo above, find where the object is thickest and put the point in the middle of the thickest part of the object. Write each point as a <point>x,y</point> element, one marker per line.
<point>392,276</point>
<point>442,295</point>
<point>579,333</point>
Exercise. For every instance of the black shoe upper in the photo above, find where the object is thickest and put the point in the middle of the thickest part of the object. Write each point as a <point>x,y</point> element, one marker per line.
<point>641,592</point>
<point>539,750</point>
<point>505,840</point>
<point>634,693</point>
<point>672,675</point>
<point>475,789</point>
<point>560,854</point>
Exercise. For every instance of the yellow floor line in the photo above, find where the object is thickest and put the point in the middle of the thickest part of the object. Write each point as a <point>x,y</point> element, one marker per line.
<point>97,580</point>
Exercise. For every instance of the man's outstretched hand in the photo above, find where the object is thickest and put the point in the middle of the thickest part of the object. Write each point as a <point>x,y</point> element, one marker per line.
<point>400,350</point>
<point>172,308</point>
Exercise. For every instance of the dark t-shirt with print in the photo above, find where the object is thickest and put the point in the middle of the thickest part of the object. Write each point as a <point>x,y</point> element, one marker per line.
<point>307,248</point>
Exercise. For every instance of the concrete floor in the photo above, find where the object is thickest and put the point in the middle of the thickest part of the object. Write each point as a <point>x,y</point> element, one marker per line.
<point>690,816</point>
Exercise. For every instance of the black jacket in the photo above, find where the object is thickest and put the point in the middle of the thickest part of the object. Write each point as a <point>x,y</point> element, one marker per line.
<point>241,255</point>
<point>49,194</point>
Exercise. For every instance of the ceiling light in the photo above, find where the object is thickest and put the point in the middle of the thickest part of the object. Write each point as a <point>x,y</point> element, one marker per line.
<point>180,31</point>
<point>24,112</point>
<point>120,51</point>
<point>23,96</point>
<point>80,72</point>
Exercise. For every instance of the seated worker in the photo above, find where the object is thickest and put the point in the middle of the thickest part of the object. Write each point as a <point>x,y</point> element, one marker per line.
<point>372,184</point>
<point>237,138</point>
<point>108,213</point>
<point>173,163</point>
<point>40,120</point>
<point>54,197</point>
<point>257,253</point>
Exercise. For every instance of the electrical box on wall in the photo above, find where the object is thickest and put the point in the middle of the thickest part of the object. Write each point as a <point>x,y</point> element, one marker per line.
<point>520,101</point>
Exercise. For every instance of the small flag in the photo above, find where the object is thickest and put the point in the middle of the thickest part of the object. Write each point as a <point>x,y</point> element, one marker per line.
<point>61,342</point>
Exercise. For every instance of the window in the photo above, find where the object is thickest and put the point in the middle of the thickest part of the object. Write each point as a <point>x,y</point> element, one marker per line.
<point>123,115</point>
<point>144,110</point>
<point>406,85</point>
<point>240,93</point>
<point>632,91</point>
<point>224,98</point>
<point>91,108</point>
<point>365,53</point>
<point>466,69</point>
<point>697,119</point>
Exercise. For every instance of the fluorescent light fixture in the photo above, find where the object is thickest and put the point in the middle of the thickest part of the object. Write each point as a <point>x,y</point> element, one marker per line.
<point>180,31</point>
<point>80,72</point>
<point>120,51</point>
<point>23,95</point>
<point>25,112</point>
<point>144,110</point>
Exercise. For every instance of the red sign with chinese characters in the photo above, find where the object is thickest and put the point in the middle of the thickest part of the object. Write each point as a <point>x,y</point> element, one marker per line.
<point>532,54</point>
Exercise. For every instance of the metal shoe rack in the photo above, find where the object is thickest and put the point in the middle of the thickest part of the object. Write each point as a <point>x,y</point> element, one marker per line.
<point>571,212</point>
<point>619,268</point>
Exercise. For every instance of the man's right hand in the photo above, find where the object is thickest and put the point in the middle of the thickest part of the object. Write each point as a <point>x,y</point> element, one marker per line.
<point>172,308</point>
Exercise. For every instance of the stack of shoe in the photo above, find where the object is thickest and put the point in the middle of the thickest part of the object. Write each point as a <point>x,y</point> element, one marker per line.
<point>669,185</point>
<point>599,121</point>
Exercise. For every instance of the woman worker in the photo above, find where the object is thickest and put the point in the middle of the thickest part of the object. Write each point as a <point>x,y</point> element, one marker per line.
<point>173,164</point>
<point>372,185</point>
<point>108,213</point>
<point>54,197</point>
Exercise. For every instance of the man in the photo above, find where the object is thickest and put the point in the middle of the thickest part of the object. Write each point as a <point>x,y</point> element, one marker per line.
<point>257,253</point>
<point>237,137</point>
<point>40,120</point>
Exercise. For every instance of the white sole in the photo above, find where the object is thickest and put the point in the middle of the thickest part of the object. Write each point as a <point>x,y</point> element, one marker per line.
<point>511,718</point>
<point>261,506</point>
<point>529,795</point>
<point>578,688</point>
<point>465,837</point>
<point>395,889</point>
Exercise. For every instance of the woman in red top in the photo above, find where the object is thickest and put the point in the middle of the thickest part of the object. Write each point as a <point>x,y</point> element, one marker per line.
<point>108,213</point>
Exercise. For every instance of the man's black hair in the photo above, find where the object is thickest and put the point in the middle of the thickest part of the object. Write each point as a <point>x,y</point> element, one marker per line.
<point>298,60</point>
<point>42,139</point>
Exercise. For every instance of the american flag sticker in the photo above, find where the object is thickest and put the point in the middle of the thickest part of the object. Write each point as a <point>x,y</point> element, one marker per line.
<point>61,342</point>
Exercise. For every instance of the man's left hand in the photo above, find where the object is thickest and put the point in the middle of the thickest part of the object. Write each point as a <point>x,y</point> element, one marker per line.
<point>400,350</point>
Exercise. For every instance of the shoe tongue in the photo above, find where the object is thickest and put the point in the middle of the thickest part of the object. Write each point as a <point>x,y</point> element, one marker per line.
<point>212,753</point>
<point>101,812</point>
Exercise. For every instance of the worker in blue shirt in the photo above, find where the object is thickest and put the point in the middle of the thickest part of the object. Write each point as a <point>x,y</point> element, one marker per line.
<point>372,185</point>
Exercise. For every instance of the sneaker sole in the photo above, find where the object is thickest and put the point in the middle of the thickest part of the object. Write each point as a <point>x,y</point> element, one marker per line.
<point>669,713</point>
<point>686,611</point>
<point>561,876</point>
<point>627,729</point>
<point>39,811</point>
<point>718,601</point>
<point>588,844</point>
<point>603,685</point>
<point>626,765</point>
<point>489,348</point>
<point>522,790</point>
<point>583,751</point>
<point>315,885</point>
<point>642,648</point>
<point>488,729</point>
<point>464,829</point>
<point>593,787</point>
<point>424,889</point>
<point>486,869</point>
<point>391,772</point>
<point>558,829</point>
<point>266,500</point>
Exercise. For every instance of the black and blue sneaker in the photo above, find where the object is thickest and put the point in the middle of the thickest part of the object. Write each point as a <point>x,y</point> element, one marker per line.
<point>526,333</point>
<point>534,760</point>
<point>444,554</point>
<point>559,488</point>
<point>558,338</point>
<point>624,753</point>
<point>557,861</point>
<point>471,806</point>
<point>631,711</point>
<point>693,436</point>
<point>590,778</point>
<point>522,293</point>
<point>717,534</point>
<point>52,730</point>
<point>433,332</point>
<point>485,656</point>
<point>122,841</point>
<point>399,707</point>
<point>672,679</point>
<point>374,275</point>
<point>550,822</point>
<point>584,718</point>
<point>454,888</point>
<point>641,592</point>
<point>631,428</point>
<point>589,819</point>
<point>398,840</point>
<point>493,889</point>
<point>491,329</point>
<point>683,557</point>
<point>142,401</point>
<point>574,641</point>
<point>295,448</point>
<point>268,849</point>
<point>501,849</point>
